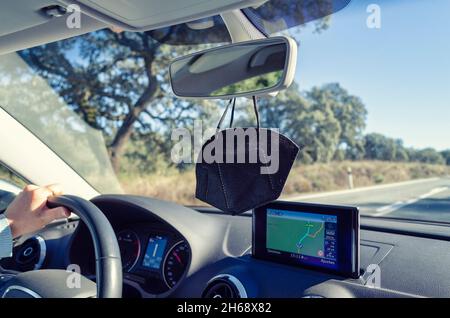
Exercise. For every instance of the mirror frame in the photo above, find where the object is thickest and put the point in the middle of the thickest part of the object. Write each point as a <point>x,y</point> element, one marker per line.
<point>286,79</point>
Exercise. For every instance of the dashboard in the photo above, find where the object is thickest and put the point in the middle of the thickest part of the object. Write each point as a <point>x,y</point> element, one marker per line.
<point>164,259</point>
<point>174,251</point>
<point>154,257</point>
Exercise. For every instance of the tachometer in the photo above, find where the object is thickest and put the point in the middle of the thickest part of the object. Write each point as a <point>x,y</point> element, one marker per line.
<point>176,263</point>
<point>130,248</point>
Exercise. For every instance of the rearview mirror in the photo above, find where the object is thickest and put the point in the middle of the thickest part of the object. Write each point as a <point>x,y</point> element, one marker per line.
<point>241,69</point>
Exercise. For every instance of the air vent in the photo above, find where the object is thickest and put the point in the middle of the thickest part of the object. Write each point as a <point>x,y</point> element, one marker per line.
<point>31,254</point>
<point>224,286</point>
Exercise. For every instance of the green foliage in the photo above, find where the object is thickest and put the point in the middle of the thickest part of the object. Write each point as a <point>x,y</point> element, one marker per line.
<point>256,83</point>
<point>446,155</point>
<point>428,155</point>
<point>104,76</point>
<point>327,121</point>
<point>349,111</point>
<point>378,178</point>
<point>380,147</point>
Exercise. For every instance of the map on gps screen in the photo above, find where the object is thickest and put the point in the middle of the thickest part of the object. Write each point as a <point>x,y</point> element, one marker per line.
<point>308,235</point>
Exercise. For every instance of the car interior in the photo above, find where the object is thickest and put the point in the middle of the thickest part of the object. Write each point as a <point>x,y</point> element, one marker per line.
<point>245,243</point>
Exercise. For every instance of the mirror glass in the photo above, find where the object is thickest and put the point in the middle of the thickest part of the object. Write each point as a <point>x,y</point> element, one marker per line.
<point>233,70</point>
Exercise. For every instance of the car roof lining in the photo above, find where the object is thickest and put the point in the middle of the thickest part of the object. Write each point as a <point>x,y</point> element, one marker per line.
<point>144,15</point>
<point>23,24</point>
<point>51,31</point>
<point>19,15</point>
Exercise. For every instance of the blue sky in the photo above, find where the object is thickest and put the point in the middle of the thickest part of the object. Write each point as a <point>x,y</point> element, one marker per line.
<point>401,71</point>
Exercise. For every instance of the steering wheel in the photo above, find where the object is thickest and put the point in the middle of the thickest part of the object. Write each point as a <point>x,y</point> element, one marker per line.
<point>62,283</point>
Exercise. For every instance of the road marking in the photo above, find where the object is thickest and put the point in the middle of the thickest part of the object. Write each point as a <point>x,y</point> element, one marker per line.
<point>401,204</point>
<point>362,189</point>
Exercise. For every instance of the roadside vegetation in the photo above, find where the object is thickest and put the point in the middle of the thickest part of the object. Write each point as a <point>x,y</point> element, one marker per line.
<point>10,177</point>
<point>173,184</point>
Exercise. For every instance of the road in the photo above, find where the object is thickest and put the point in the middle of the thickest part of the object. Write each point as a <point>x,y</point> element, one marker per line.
<point>6,186</point>
<point>426,199</point>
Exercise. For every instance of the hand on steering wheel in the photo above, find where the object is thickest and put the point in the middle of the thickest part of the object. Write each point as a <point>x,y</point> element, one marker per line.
<point>53,283</point>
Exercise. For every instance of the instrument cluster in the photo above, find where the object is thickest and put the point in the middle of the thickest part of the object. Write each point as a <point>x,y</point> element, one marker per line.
<point>155,259</point>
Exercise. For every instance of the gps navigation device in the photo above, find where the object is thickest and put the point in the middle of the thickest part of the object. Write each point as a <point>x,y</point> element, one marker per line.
<point>315,236</point>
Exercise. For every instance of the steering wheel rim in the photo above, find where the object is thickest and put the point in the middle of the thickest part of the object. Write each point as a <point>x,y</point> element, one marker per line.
<point>108,263</point>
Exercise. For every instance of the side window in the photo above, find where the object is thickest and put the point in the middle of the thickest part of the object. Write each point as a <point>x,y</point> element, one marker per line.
<point>10,186</point>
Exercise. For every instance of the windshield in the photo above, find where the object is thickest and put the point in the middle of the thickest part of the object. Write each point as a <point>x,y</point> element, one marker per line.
<point>369,105</point>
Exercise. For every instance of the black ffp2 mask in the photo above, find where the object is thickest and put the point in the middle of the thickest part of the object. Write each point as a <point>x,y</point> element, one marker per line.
<point>240,169</point>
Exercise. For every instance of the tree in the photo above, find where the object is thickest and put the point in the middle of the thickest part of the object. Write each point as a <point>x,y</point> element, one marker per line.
<point>349,111</point>
<point>117,82</point>
<point>379,147</point>
<point>327,121</point>
<point>428,155</point>
<point>446,155</point>
<point>307,123</point>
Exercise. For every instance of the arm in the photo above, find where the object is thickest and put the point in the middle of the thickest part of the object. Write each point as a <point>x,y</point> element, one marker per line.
<point>5,238</point>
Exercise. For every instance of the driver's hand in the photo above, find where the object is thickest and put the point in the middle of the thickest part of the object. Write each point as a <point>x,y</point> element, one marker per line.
<point>29,213</point>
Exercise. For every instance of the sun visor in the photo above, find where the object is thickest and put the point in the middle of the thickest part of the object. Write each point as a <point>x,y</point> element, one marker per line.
<point>29,23</point>
<point>144,15</point>
<point>19,15</point>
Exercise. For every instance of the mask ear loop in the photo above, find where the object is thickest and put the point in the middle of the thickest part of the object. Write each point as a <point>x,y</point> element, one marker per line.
<point>219,125</point>
<point>255,107</point>
<point>233,101</point>
<point>232,113</point>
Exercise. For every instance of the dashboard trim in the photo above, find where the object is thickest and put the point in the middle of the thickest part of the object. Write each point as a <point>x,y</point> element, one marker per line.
<point>22,289</point>
<point>42,252</point>
<point>234,280</point>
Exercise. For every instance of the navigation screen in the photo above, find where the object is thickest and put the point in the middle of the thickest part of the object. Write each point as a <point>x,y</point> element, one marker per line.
<point>315,236</point>
<point>155,252</point>
<point>309,237</point>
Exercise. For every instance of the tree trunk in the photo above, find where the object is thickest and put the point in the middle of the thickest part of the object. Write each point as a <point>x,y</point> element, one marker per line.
<point>122,136</point>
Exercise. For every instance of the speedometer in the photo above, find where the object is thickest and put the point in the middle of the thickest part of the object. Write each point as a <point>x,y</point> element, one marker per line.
<point>176,263</point>
<point>130,248</point>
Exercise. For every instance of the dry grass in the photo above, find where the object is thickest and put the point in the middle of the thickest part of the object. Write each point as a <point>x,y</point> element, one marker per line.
<point>10,177</point>
<point>333,176</point>
<point>180,187</point>
<point>171,186</point>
